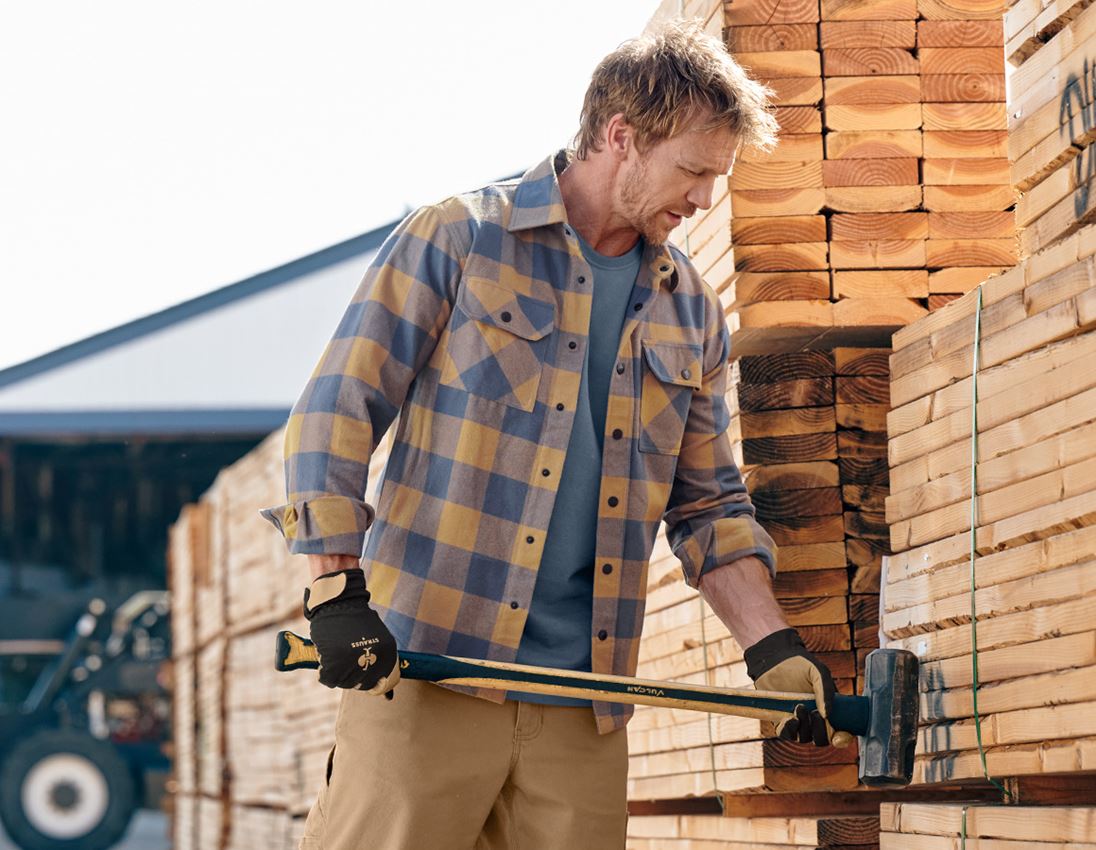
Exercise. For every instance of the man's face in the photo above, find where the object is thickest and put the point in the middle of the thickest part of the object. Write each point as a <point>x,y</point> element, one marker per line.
<point>672,179</point>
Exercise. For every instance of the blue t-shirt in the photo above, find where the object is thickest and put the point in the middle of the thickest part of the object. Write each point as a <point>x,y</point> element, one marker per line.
<point>558,629</point>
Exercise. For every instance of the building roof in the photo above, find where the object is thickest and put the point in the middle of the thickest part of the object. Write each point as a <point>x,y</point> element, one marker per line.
<point>232,360</point>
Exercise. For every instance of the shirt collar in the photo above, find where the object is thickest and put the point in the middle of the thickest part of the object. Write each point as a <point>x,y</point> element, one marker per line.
<point>538,202</point>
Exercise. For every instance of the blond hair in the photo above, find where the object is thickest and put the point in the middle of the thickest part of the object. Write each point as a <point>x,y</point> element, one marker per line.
<point>675,78</point>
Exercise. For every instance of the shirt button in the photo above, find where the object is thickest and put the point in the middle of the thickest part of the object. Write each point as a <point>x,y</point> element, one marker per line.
<point>505,316</point>
<point>568,231</point>
<point>582,278</point>
<point>606,568</point>
<point>559,406</point>
<point>514,605</point>
<point>638,306</point>
<point>686,374</point>
<point>620,368</point>
<point>572,345</point>
<point>617,433</point>
<point>529,539</point>
<point>545,472</point>
<point>613,501</point>
<point>664,269</point>
<point>602,635</point>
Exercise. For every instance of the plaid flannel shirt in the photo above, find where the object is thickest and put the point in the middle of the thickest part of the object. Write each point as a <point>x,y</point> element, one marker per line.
<point>471,324</point>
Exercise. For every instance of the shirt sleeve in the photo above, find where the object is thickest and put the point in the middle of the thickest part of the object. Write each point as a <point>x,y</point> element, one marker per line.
<point>385,337</point>
<point>710,520</point>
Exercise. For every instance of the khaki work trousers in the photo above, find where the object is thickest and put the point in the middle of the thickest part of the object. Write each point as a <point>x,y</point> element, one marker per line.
<point>438,770</point>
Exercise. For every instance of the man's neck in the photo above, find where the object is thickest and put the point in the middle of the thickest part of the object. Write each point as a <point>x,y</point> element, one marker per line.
<point>587,196</point>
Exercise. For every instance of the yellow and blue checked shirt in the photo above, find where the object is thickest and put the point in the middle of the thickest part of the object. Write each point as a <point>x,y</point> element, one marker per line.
<point>471,324</point>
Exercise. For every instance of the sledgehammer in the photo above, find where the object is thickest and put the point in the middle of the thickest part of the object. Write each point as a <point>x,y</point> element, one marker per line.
<point>885,718</point>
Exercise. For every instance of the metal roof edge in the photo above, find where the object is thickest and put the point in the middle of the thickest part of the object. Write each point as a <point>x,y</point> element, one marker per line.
<point>185,310</point>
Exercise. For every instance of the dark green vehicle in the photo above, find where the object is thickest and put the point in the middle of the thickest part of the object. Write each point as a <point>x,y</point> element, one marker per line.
<point>83,715</point>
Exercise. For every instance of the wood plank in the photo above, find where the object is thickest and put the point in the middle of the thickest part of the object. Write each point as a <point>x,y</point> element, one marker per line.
<point>862,361</point>
<point>962,60</point>
<point>881,312</point>
<point>852,34</point>
<point>771,230</point>
<point>873,116</point>
<point>960,33</point>
<point>947,198</point>
<point>782,423</point>
<point>873,198</point>
<point>907,283</point>
<point>863,389</point>
<point>792,476</point>
<point>984,144</point>
<point>783,63</point>
<point>942,253</point>
<point>803,256</point>
<point>1026,823</point>
<point>964,116</point>
<point>791,147</point>
<point>868,61</point>
<point>971,225</point>
<point>975,171</point>
<point>872,172</point>
<point>754,12</point>
<point>795,530</point>
<point>869,10</point>
<point>775,286</point>
<point>783,37</point>
<point>877,254</point>
<point>875,144</point>
<point>808,392</point>
<point>861,91</point>
<point>814,502</point>
<point>944,10</point>
<point>869,417</point>
<point>773,368</point>
<point>776,175</point>
<point>963,88</point>
<point>794,448</point>
<point>795,91</point>
<point>800,119</point>
<point>793,201</point>
<point>960,279</point>
<point>872,226</point>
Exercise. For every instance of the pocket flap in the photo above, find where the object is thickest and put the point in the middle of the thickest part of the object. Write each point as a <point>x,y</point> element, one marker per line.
<point>674,362</point>
<point>522,315</point>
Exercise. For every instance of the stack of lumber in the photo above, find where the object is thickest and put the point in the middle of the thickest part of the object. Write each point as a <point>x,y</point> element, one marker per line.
<point>251,744</point>
<point>889,193</point>
<point>692,832</point>
<point>1051,119</point>
<point>924,826</point>
<point>809,430</point>
<point>1036,520</point>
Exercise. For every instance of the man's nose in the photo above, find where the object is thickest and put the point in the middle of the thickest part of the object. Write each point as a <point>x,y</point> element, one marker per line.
<point>700,196</point>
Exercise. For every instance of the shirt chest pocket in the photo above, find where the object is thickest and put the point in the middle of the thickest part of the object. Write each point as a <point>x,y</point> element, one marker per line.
<point>497,343</point>
<point>671,372</point>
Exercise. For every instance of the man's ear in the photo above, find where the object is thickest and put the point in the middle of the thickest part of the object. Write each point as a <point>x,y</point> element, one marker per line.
<point>619,136</point>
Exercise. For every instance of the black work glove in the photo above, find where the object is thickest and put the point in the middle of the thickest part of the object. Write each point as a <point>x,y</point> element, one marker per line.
<point>356,649</point>
<point>780,662</point>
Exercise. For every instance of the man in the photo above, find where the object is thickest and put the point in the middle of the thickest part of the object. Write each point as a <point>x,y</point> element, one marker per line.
<point>559,373</point>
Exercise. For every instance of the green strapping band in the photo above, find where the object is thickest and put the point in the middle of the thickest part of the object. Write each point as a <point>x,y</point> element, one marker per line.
<point>973,549</point>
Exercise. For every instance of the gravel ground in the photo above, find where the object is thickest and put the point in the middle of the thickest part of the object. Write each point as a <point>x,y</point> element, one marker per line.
<point>147,831</point>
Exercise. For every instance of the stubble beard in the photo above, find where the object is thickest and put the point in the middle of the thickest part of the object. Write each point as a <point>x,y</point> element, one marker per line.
<point>631,195</point>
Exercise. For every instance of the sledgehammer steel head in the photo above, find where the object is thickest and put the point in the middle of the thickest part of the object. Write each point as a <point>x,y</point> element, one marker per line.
<point>886,749</point>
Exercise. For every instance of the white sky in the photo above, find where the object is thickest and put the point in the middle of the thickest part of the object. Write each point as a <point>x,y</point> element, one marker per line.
<point>151,152</point>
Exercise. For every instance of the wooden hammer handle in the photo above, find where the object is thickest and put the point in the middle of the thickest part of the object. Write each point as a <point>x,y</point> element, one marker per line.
<point>850,714</point>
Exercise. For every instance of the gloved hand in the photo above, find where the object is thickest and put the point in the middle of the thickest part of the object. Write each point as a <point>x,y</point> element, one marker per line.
<point>356,649</point>
<point>780,662</point>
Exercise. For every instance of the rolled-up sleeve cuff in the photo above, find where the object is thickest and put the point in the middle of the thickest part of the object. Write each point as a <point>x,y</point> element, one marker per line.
<point>324,525</point>
<point>723,542</point>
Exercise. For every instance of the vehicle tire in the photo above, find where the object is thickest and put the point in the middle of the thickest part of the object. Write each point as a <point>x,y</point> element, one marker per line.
<point>63,790</point>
